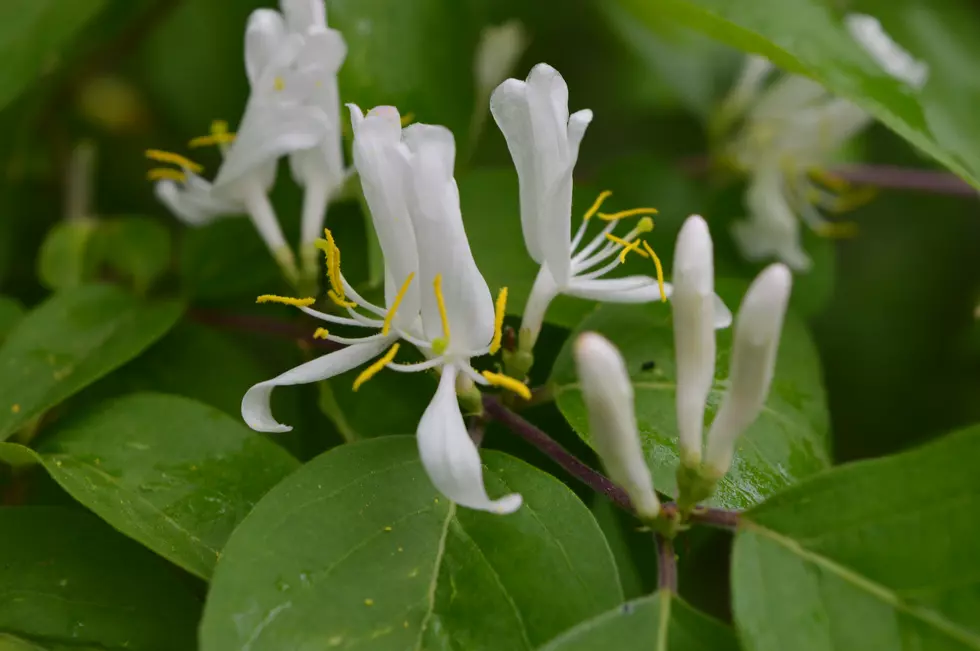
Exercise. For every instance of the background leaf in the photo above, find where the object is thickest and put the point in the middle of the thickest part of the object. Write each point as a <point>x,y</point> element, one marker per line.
<point>875,554</point>
<point>786,443</point>
<point>174,474</point>
<point>68,578</point>
<point>358,549</point>
<point>73,339</point>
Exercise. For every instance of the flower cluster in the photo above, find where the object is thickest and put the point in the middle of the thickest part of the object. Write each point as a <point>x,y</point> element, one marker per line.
<point>608,392</point>
<point>790,131</point>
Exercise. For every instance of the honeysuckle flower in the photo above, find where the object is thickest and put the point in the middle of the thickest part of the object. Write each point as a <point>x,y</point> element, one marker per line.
<point>608,395</point>
<point>435,299</point>
<point>544,142</point>
<point>291,60</point>
<point>791,130</point>
<point>757,330</point>
<point>694,336</point>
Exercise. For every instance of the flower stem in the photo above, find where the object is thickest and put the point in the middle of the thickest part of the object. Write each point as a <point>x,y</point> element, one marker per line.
<point>666,564</point>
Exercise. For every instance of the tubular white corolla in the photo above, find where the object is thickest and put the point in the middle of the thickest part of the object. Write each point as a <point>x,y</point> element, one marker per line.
<point>608,396</point>
<point>757,331</point>
<point>543,140</point>
<point>435,298</point>
<point>694,334</point>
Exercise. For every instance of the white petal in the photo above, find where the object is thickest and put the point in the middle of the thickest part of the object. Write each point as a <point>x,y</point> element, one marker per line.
<point>772,229</point>
<point>757,331</point>
<point>608,395</point>
<point>509,107</point>
<point>748,86</point>
<point>379,156</point>
<point>256,405</point>
<point>635,289</point>
<point>693,303</point>
<point>543,292</point>
<point>449,455</point>
<point>193,202</point>
<point>264,35</point>
<point>497,52</point>
<point>888,54</point>
<point>301,15</point>
<point>577,124</point>
<point>443,247</point>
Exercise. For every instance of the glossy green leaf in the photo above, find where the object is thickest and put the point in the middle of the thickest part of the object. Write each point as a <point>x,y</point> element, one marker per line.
<point>874,555</point>
<point>11,312</point>
<point>661,621</point>
<point>70,341</point>
<point>69,579</point>
<point>788,441</point>
<point>358,550</point>
<point>69,255</point>
<point>33,36</point>
<point>137,248</point>
<point>174,474</point>
<point>417,56</point>
<point>226,258</point>
<point>809,37</point>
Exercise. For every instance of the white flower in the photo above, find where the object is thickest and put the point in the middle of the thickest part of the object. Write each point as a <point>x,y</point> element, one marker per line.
<point>694,336</point>
<point>608,396</point>
<point>436,299</point>
<point>888,54</point>
<point>291,60</point>
<point>757,329</point>
<point>544,142</point>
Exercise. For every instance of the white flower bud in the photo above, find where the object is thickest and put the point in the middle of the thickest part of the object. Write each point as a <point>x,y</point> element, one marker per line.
<point>757,330</point>
<point>608,396</point>
<point>694,332</point>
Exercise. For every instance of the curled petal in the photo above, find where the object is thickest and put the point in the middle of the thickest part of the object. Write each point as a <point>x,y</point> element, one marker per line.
<point>450,456</point>
<point>636,289</point>
<point>256,405</point>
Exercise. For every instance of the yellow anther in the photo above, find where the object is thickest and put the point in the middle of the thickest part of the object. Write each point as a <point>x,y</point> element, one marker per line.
<point>340,300</point>
<point>390,316</point>
<point>837,230</point>
<point>498,320</point>
<point>279,83</point>
<point>645,225</point>
<point>441,302</point>
<point>407,119</point>
<point>321,333</point>
<point>375,368</point>
<point>329,248</point>
<point>660,271</point>
<point>836,183</point>
<point>854,199</point>
<point>627,246</point>
<point>622,214</point>
<point>166,174</point>
<point>286,300</point>
<point>590,213</point>
<point>176,159</point>
<point>509,383</point>
<point>212,139</point>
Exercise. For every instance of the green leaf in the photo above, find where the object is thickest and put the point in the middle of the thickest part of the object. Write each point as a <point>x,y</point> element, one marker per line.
<point>34,35</point>
<point>225,258</point>
<point>70,341</point>
<point>357,549</point>
<point>808,37</point>
<point>68,255</point>
<point>785,444</point>
<point>661,621</point>
<point>11,312</point>
<point>174,474</point>
<point>137,248</point>
<point>68,578</point>
<point>416,55</point>
<point>872,555</point>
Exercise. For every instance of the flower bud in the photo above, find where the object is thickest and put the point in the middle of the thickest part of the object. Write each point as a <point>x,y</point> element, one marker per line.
<point>694,333</point>
<point>608,397</point>
<point>757,329</point>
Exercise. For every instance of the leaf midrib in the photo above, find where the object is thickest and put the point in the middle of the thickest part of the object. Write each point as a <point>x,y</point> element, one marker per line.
<point>926,616</point>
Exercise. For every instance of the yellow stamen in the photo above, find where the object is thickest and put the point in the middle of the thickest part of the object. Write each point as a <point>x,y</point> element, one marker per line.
<point>509,383</point>
<point>660,271</point>
<point>441,301</point>
<point>176,159</point>
<point>407,119</point>
<point>279,83</point>
<point>321,333</point>
<point>498,320</point>
<point>830,181</point>
<point>166,174</point>
<point>838,230</point>
<point>645,225</point>
<point>622,214</point>
<point>627,246</point>
<point>854,199</point>
<point>375,368</point>
<point>340,300</point>
<point>590,213</point>
<point>390,316</point>
<point>213,139</point>
<point>286,300</point>
<point>330,249</point>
